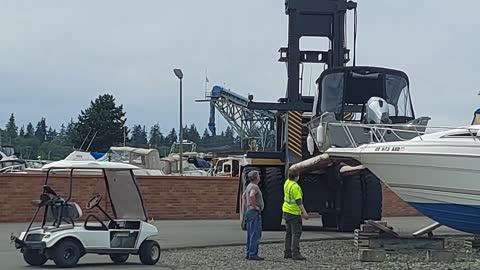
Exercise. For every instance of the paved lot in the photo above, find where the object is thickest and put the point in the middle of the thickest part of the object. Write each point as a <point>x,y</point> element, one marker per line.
<point>184,234</point>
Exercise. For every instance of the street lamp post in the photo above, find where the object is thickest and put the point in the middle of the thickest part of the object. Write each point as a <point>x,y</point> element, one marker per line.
<point>178,72</point>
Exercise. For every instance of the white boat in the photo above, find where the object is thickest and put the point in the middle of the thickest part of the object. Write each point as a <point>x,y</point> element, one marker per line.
<point>436,173</point>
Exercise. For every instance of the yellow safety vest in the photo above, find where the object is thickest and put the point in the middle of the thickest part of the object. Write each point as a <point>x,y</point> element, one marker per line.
<point>292,192</point>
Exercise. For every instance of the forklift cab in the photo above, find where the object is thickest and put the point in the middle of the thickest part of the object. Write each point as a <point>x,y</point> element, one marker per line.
<point>350,92</point>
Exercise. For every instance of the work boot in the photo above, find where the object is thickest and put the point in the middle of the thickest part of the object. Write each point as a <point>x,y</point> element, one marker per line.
<point>287,255</point>
<point>255,258</point>
<point>298,257</point>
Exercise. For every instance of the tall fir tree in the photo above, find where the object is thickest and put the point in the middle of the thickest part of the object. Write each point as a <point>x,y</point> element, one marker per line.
<point>11,128</point>
<point>156,136</point>
<point>41,130</point>
<point>171,137</point>
<point>30,132</point>
<point>21,133</point>
<point>139,136</point>
<point>193,134</point>
<point>103,118</point>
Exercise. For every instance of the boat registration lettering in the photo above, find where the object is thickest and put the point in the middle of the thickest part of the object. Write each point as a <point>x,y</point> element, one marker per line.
<point>389,148</point>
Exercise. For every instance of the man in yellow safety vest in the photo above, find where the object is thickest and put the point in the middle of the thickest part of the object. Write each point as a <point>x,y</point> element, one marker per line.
<point>293,211</point>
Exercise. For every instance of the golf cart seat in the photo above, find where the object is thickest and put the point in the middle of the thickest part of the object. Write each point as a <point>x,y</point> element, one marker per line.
<point>70,211</point>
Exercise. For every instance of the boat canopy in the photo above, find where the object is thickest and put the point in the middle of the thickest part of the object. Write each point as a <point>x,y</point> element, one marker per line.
<point>346,91</point>
<point>141,157</point>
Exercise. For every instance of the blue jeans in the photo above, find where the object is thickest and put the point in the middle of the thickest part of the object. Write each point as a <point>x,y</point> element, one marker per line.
<point>254,231</point>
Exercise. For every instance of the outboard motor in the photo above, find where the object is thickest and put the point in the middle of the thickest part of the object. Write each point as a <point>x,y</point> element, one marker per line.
<point>377,111</point>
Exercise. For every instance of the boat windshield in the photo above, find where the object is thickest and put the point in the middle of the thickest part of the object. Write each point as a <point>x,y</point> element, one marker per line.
<point>348,92</point>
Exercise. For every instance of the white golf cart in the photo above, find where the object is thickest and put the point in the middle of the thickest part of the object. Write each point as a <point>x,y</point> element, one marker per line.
<point>65,241</point>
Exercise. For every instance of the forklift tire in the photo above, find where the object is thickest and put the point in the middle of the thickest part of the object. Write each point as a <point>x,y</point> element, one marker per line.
<point>33,258</point>
<point>372,197</point>
<point>350,216</point>
<point>149,252</point>
<point>273,198</point>
<point>66,253</point>
<point>119,258</point>
<point>329,220</point>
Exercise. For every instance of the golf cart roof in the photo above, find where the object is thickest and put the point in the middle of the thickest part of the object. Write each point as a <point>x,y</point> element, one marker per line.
<point>87,164</point>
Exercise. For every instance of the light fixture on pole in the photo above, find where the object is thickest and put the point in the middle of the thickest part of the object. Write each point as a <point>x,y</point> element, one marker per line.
<point>178,72</point>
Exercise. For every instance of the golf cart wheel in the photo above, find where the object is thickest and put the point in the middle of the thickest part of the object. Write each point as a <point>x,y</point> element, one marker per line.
<point>149,252</point>
<point>33,258</point>
<point>119,258</point>
<point>66,253</point>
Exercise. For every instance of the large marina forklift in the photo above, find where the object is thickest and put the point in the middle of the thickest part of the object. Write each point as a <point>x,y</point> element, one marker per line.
<point>344,200</point>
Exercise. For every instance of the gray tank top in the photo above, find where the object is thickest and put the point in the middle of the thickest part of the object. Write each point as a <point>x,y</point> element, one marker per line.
<point>258,195</point>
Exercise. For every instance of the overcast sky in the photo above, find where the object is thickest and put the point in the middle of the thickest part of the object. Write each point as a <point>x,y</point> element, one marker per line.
<point>56,56</point>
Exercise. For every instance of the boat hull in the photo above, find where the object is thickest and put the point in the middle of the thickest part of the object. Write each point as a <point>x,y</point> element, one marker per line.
<point>440,181</point>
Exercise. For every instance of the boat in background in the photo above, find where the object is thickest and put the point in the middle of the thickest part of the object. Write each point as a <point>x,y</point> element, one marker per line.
<point>437,173</point>
<point>10,163</point>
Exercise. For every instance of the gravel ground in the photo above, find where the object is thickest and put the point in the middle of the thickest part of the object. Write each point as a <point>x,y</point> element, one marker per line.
<point>321,255</point>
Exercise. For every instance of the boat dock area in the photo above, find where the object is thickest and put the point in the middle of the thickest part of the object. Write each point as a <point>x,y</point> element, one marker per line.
<point>221,134</point>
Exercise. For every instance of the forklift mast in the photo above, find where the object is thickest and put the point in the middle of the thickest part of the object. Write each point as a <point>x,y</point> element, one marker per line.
<point>310,18</point>
<point>306,18</point>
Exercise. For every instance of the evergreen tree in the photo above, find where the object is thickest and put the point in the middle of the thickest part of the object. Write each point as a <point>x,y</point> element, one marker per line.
<point>30,131</point>
<point>139,136</point>
<point>21,133</point>
<point>51,134</point>
<point>229,135</point>
<point>41,131</point>
<point>205,137</point>
<point>156,136</point>
<point>171,137</point>
<point>193,134</point>
<point>11,128</point>
<point>63,130</point>
<point>186,133</point>
<point>104,118</point>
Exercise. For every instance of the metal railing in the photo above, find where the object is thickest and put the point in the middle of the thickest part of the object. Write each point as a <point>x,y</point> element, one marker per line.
<point>377,132</point>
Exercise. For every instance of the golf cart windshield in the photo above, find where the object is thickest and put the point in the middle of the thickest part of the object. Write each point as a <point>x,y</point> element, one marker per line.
<point>346,92</point>
<point>124,195</point>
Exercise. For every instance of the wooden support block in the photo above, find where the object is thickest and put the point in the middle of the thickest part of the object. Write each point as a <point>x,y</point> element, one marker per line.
<point>368,228</point>
<point>383,228</point>
<point>472,243</point>
<point>373,233</point>
<point>371,255</point>
<point>407,243</point>
<point>363,243</point>
<point>445,256</point>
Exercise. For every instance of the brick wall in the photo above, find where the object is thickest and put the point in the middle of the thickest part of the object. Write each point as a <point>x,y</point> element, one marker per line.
<point>166,197</point>
<point>393,206</point>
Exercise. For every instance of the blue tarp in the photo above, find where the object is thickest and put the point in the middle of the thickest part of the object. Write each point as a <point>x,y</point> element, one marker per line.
<point>97,155</point>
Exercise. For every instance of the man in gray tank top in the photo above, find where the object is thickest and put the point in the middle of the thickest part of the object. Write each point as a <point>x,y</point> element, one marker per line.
<point>253,199</point>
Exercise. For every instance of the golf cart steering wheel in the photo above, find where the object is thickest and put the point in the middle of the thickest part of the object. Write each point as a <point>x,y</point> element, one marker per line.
<point>94,201</point>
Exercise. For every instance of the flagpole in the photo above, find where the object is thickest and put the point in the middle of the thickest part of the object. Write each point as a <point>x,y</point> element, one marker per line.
<point>206,81</point>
